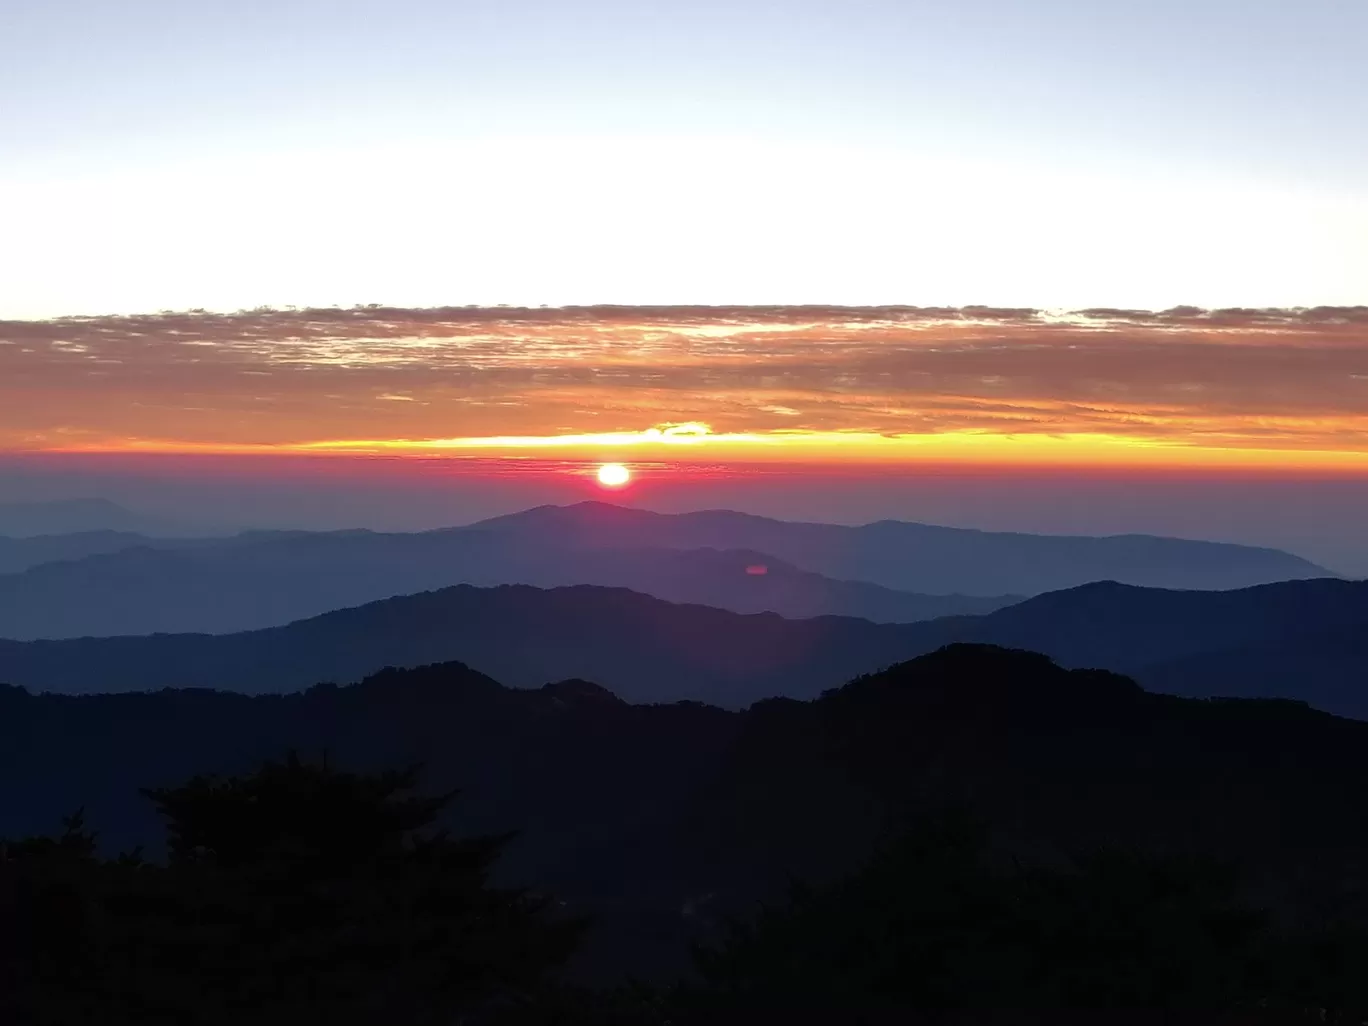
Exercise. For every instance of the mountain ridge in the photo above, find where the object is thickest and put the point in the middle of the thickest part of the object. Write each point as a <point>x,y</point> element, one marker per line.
<point>521,634</point>
<point>648,649</point>
<point>923,557</point>
<point>262,579</point>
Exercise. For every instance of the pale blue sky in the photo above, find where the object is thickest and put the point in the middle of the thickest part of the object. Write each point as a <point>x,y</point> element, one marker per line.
<point>158,154</point>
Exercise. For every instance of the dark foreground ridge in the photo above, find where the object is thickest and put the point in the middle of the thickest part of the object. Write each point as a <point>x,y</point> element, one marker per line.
<point>659,821</point>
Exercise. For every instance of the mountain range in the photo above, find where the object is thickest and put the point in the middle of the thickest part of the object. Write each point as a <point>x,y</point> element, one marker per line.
<point>263,579</point>
<point>640,647</point>
<point>113,583</point>
<point>920,557</point>
<point>660,819</point>
<point>1298,639</point>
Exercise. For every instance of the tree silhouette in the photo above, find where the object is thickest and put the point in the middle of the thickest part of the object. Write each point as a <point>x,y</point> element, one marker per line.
<point>49,926</point>
<point>299,893</point>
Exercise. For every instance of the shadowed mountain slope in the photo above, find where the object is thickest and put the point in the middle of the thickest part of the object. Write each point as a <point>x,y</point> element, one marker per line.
<point>1087,752</point>
<point>659,819</point>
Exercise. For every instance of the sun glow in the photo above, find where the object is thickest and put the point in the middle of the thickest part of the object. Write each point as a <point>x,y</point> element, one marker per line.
<point>613,475</point>
<point>695,443</point>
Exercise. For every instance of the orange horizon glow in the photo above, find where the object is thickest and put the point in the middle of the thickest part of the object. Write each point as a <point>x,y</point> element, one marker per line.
<point>690,444</point>
<point>895,387</point>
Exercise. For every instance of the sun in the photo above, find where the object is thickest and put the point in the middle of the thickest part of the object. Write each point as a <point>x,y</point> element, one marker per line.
<point>613,475</point>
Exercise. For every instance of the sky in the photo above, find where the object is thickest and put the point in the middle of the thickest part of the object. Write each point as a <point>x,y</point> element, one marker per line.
<point>1049,265</point>
<point>1255,389</point>
<point>1052,154</point>
<point>1247,425</point>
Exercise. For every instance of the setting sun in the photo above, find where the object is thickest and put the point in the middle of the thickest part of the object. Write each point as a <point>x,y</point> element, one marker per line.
<point>613,475</point>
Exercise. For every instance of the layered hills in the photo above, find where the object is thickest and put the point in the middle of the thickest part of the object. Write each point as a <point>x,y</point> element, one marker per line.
<point>1299,640</point>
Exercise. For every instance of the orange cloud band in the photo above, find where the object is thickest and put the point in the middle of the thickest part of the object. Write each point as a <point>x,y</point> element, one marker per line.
<point>1245,388</point>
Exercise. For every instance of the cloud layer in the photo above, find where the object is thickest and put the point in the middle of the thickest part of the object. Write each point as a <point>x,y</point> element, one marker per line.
<point>1288,380</point>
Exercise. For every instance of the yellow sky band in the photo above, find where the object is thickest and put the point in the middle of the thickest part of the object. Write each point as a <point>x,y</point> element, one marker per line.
<point>688,443</point>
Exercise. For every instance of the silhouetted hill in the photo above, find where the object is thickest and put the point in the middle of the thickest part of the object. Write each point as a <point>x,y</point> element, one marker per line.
<point>920,557</point>
<point>642,648</point>
<point>1057,761</point>
<point>660,818</point>
<point>264,579</point>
